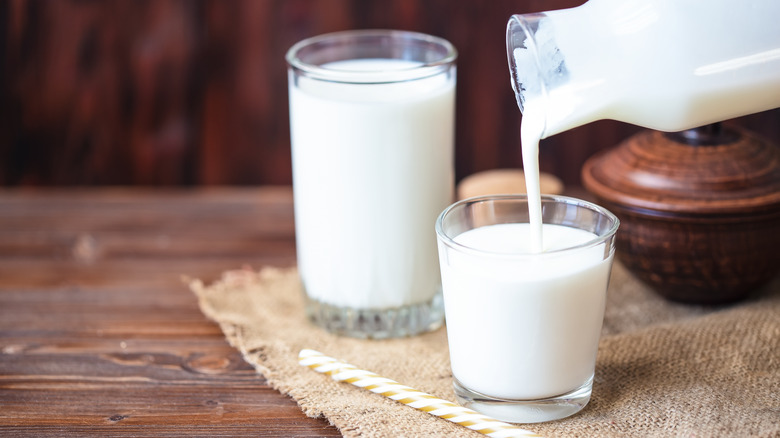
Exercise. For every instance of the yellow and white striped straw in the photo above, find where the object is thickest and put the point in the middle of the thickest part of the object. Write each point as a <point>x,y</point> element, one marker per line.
<point>344,372</point>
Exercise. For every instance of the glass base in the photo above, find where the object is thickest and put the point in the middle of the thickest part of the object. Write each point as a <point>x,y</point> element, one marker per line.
<point>525,411</point>
<point>377,323</point>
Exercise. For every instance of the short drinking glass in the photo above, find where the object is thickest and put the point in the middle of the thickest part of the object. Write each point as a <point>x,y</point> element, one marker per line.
<point>523,328</point>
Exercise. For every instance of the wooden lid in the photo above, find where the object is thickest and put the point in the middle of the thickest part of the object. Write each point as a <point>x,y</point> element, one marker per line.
<point>731,172</point>
<point>505,181</point>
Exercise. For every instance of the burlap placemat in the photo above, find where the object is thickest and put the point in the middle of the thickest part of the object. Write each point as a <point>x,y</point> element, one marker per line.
<point>664,369</point>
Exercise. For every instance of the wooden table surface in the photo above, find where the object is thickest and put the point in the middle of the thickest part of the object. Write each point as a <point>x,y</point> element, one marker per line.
<point>99,335</point>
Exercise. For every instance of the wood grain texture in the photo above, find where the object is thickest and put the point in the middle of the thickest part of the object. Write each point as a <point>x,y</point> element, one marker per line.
<point>100,336</point>
<point>189,92</point>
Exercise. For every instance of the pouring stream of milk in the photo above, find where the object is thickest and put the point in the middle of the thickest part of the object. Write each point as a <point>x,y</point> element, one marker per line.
<point>531,129</point>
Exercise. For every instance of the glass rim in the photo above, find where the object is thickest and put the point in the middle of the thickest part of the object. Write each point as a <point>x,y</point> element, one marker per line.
<point>450,241</point>
<point>421,71</point>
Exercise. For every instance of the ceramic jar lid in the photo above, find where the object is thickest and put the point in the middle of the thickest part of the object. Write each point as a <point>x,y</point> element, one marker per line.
<point>704,171</point>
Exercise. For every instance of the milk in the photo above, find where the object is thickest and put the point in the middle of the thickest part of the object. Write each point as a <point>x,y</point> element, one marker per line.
<point>372,168</point>
<point>520,325</point>
<point>531,131</point>
<point>668,65</point>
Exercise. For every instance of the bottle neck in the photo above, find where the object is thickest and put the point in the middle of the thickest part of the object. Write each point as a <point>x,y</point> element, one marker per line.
<point>529,79</point>
<point>542,77</point>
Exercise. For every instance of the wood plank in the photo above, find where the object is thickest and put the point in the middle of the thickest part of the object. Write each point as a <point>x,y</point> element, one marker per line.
<point>99,335</point>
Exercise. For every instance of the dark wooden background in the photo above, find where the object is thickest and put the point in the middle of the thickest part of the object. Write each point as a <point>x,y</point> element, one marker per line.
<point>193,92</point>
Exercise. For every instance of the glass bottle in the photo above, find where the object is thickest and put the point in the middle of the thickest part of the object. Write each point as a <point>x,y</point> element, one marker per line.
<point>667,65</point>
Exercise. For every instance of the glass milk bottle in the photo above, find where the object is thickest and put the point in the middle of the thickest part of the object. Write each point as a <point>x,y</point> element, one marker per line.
<point>372,130</point>
<point>668,65</point>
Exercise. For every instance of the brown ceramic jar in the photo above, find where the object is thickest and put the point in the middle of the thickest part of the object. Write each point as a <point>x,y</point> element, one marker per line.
<point>699,210</point>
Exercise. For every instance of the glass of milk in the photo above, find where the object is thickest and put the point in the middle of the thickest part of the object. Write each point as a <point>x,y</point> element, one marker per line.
<point>523,326</point>
<point>372,130</point>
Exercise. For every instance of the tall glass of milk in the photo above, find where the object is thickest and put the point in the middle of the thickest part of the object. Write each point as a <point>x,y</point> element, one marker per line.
<point>523,326</point>
<point>668,65</point>
<point>372,129</point>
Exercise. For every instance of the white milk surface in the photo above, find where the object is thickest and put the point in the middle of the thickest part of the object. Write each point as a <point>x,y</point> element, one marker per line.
<point>372,169</point>
<point>524,327</point>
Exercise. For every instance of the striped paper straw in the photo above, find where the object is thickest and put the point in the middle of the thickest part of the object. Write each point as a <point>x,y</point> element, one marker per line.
<point>344,372</point>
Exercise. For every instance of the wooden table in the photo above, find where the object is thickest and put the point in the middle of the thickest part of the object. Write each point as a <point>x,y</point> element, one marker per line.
<point>99,335</point>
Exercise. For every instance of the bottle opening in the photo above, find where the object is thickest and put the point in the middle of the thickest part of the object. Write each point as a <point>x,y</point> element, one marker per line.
<point>523,57</point>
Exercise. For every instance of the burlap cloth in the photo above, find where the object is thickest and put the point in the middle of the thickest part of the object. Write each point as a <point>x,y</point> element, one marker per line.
<point>664,369</point>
